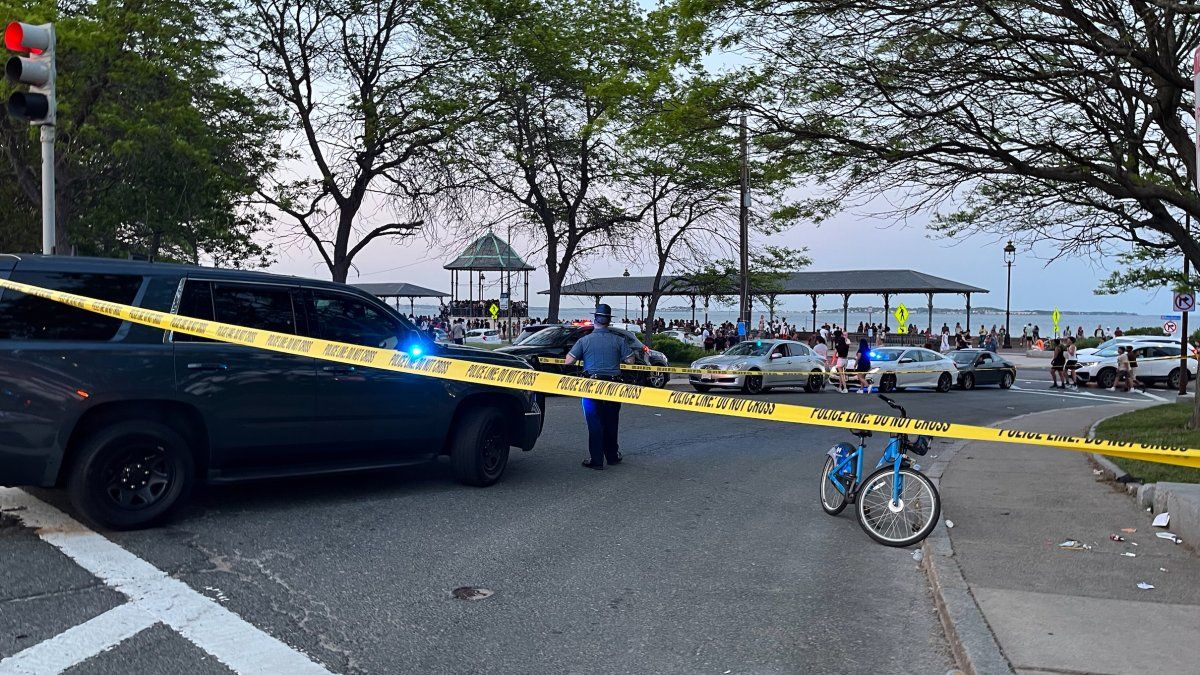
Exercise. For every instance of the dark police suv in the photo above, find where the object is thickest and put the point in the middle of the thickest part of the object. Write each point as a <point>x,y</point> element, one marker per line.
<point>129,417</point>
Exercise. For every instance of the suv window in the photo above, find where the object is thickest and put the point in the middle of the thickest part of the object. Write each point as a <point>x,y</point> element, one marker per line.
<point>343,318</point>
<point>254,306</point>
<point>196,302</point>
<point>27,317</point>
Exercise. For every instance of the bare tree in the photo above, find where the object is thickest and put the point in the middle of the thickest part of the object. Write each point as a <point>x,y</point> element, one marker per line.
<point>364,87</point>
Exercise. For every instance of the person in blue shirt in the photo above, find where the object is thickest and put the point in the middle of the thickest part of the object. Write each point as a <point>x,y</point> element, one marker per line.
<point>601,353</point>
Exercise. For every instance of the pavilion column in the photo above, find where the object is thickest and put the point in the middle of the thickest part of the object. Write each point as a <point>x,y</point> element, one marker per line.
<point>930,329</point>
<point>846,313</point>
<point>887,308</point>
<point>814,299</point>
<point>642,308</point>
<point>526,294</point>
<point>968,315</point>
<point>693,310</point>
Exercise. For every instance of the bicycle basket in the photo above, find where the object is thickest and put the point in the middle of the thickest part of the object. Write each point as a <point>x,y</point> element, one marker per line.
<point>920,446</point>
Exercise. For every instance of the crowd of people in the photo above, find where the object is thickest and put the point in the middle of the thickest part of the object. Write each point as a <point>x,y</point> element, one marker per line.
<point>481,308</point>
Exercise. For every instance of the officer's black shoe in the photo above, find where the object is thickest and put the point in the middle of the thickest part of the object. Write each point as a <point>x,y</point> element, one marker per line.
<point>588,464</point>
<point>615,461</point>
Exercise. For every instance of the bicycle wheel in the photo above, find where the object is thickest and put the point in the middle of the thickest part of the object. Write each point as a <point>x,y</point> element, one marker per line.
<point>833,500</point>
<point>906,522</point>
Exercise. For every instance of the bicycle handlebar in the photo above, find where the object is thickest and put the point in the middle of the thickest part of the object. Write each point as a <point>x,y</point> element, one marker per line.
<point>894,405</point>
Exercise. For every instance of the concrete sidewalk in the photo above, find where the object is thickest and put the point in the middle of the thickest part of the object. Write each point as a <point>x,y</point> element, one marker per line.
<point>1048,608</point>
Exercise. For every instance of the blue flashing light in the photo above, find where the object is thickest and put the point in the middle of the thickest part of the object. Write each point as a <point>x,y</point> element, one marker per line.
<point>758,343</point>
<point>415,351</point>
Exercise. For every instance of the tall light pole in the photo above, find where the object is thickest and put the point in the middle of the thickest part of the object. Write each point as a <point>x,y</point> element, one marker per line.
<point>1010,256</point>
<point>744,229</point>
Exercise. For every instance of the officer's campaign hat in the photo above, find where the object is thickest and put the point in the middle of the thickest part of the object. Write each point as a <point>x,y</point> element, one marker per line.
<point>603,311</point>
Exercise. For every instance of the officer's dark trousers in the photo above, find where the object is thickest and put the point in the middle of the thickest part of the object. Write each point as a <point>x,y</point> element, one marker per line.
<point>602,420</point>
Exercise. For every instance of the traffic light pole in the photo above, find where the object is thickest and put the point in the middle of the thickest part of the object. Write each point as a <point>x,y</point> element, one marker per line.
<point>47,135</point>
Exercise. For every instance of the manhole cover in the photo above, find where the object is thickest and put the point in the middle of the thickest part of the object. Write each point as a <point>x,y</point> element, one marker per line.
<point>471,593</point>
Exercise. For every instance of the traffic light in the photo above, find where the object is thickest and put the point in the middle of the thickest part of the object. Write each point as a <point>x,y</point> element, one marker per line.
<point>36,69</point>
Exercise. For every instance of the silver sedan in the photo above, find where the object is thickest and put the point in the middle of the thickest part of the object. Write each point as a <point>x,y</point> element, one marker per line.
<point>795,364</point>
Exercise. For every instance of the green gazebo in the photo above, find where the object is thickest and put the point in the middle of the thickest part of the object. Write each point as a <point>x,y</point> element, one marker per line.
<point>488,253</point>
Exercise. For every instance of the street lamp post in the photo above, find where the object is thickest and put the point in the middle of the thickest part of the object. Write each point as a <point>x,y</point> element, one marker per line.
<point>626,317</point>
<point>1010,256</point>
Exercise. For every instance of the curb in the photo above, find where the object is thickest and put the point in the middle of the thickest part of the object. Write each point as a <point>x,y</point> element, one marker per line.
<point>971,639</point>
<point>1118,474</point>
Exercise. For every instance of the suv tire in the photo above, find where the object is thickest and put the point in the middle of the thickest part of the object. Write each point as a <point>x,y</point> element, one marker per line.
<point>131,474</point>
<point>479,451</point>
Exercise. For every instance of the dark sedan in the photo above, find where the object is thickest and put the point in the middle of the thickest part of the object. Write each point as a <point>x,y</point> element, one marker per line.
<point>555,341</point>
<point>980,366</point>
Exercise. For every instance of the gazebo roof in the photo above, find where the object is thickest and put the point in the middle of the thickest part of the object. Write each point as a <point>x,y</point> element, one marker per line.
<point>489,253</point>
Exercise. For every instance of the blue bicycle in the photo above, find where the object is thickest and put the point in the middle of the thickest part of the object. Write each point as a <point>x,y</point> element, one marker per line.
<point>897,504</point>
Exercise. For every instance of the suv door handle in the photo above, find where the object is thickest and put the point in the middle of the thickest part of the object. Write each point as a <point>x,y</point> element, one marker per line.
<point>207,366</point>
<point>338,370</point>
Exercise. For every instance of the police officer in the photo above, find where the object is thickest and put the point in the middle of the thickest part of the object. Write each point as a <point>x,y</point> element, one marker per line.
<point>601,353</point>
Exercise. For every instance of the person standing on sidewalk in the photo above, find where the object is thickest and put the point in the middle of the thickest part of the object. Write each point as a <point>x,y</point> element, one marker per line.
<point>1132,382</point>
<point>457,333</point>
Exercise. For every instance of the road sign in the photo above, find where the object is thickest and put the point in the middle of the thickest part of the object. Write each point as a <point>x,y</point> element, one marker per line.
<point>504,301</point>
<point>901,315</point>
<point>741,327</point>
<point>1170,317</point>
<point>1055,317</point>
<point>494,310</point>
<point>1184,302</point>
<point>1169,327</point>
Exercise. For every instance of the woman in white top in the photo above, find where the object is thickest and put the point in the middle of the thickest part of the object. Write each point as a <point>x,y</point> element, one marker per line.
<point>945,347</point>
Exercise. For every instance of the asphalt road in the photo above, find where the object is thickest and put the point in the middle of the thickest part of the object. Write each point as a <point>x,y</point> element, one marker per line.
<point>704,552</point>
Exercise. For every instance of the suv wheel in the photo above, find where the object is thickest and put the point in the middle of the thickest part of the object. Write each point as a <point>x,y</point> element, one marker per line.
<point>131,474</point>
<point>479,451</point>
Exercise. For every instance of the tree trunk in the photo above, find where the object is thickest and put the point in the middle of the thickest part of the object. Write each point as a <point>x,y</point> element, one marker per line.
<point>554,277</point>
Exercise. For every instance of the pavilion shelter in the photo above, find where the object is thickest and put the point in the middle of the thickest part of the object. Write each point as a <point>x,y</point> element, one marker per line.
<point>846,283</point>
<point>400,290</point>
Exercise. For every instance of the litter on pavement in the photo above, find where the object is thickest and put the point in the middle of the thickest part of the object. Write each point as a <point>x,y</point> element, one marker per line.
<point>1129,554</point>
<point>1169,536</point>
<point>917,555</point>
<point>1162,520</point>
<point>1116,537</point>
<point>949,523</point>
<point>1073,545</point>
<point>1145,586</point>
<point>1129,530</point>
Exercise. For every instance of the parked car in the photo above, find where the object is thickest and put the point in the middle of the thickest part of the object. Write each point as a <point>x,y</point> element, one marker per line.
<point>684,337</point>
<point>900,367</point>
<point>528,331</point>
<point>981,367</point>
<point>763,356</point>
<point>555,341</point>
<point>128,418</point>
<point>1101,366</point>
<point>483,336</point>
<point>440,336</point>
<point>1125,340</point>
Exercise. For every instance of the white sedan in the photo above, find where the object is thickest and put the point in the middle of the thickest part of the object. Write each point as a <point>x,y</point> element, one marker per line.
<point>482,336</point>
<point>898,367</point>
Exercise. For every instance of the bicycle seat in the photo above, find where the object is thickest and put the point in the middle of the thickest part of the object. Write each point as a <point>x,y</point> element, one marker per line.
<point>861,433</point>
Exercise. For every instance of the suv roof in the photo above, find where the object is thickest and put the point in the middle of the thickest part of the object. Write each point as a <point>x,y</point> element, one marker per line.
<point>52,263</point>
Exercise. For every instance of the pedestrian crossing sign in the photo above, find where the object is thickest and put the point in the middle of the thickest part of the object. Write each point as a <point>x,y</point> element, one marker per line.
<point>901,315</point>
<point>494,310</point>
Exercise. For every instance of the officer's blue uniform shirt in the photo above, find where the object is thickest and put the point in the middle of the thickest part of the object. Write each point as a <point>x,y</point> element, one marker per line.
<point>601,352</point>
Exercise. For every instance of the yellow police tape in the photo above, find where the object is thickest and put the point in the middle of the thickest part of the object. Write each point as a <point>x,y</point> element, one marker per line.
<point>549,383</point>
